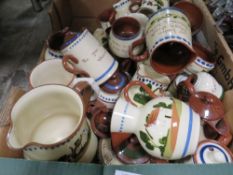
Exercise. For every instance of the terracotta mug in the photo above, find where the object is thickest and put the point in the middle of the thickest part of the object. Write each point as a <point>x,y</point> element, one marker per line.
<point>53,72</point>
<point>204,61</point>
<point>44,138</point>
<point>169,41</point>
<point>125,32</point>
<point>165,127</point>
<point>83,52</point>
<point>193,13</point>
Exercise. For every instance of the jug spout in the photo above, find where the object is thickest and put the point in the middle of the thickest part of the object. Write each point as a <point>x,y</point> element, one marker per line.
<point>125,117</point>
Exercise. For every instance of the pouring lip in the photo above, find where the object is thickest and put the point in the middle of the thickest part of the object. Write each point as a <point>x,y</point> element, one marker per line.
<point>206,141</point>
<point>62,141</point>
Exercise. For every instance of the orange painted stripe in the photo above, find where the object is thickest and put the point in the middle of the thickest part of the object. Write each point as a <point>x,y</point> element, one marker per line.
<point>153,117</point>
<point>174,129</point>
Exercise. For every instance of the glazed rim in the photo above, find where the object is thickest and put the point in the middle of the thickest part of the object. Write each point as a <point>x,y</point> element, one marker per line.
<point>172,69</point>
<point>121,22</point>
<point>195,159</point>
<point>201,51</point>
<point>149,77</point>
<point>80,122</point>
<point>44,62</point>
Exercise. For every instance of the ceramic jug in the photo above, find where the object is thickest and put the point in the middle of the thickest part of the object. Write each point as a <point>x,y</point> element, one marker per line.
<point>166,127</point>
<point>49,123</point>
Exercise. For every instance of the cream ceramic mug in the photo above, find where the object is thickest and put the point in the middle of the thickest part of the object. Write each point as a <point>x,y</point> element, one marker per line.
<point>55,122</point>
<point>83,52</point>
<point>126,31</point>
<point>169,41</point>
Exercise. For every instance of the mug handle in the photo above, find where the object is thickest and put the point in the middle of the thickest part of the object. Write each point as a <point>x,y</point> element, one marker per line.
<point>188,84</point>
<point>141,57</point>
<point>69,62</point>
<point>137,83</point>
<point>133,4</point>
<point>224,133</point>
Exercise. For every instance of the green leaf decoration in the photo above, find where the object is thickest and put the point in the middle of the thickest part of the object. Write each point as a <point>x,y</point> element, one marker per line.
<point>162,149</point>
<point>163,105</point>
<point>163,140</point>
<point>149,134</point>
<point>141,98</point>
<point>145,138</point>
<point>149,146</point>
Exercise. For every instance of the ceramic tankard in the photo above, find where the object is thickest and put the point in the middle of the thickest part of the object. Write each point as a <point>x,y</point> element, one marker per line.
<point>83,52</point>
<point>166,127</point>
<point>169,41</point>
<point>126,31</point>
<point>43,110</point>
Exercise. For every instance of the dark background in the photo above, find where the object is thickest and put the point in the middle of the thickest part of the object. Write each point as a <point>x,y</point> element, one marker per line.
<point>23,31</point>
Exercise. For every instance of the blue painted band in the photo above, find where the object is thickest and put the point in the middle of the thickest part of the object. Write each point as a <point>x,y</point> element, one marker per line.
<point>71,40</point>
<point>213,146</point>
<point>106,72</point>
<point>123,117</point>
<point>188,138</point>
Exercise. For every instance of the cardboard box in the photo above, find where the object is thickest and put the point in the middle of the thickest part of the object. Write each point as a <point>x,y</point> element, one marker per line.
<point>82,13</point>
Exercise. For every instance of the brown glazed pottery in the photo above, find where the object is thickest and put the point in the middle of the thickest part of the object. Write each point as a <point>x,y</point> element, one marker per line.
<point>131,152</point>
<point>116,83</point>
<point>193,13</point>
<point>100,122</point>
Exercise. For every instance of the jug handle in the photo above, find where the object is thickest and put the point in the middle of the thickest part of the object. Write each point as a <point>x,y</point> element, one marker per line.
<point>133,4</point>
<point>69,62</point>
<point>225,135</point>
<point>141,57</point>
<point>137,83</point>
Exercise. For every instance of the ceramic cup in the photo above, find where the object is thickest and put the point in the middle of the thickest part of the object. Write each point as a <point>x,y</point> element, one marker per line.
<point>149,7</point>
<point>53,72</point>
<point>211,152</point>
<point>83,52</point>
<point>169,41</point>
<point>204,61</point>
<point>43,110</point>
<point>200,82</point>
<point>193,13</point>
<point>126,31</point>
<point>155,81</point>
<point>166,127</point>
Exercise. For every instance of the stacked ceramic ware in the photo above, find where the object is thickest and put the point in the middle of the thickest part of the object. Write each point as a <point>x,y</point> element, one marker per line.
<point>138,90</point>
